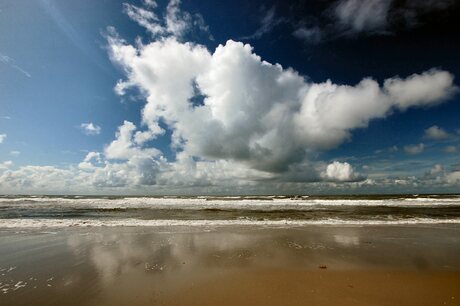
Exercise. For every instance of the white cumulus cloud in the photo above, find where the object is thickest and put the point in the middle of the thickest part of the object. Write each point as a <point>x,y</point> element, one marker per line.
<point>429,88</point>
<point>340,172</point>
<point>6,165</point>
<point>90,128</point>
<point>87,163</point>
<point>254,112</point>
<point>437,169</point>
<point>124,146</point>
<point>436,133</point>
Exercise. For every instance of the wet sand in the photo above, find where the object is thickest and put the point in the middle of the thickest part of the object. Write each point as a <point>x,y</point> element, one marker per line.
<point>315,265</point>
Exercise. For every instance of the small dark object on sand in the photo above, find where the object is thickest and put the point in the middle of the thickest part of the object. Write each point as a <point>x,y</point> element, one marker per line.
<point>323,267</point>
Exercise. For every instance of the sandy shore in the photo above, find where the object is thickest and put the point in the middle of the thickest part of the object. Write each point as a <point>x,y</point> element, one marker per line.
<point>316,265</point>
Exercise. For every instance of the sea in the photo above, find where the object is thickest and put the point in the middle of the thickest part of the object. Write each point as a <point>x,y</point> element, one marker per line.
<point>282,211</point>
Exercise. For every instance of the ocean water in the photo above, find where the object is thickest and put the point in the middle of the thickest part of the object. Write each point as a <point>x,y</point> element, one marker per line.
<point>85,211</point>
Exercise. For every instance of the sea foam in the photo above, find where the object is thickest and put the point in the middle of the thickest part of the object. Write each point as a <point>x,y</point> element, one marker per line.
<point>61,223</point>
<point>242,203</point>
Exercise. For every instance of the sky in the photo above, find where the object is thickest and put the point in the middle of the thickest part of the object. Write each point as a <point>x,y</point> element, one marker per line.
<point>229,97</point>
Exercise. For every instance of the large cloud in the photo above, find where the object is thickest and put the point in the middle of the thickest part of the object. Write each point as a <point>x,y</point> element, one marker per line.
<point>236,116</point>
<point>254,112</point>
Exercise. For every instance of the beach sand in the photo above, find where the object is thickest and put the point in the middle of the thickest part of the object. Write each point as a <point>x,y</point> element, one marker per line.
<point>314,265</point>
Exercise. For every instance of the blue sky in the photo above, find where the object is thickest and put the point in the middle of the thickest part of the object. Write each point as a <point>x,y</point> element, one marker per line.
<point>66,127</point>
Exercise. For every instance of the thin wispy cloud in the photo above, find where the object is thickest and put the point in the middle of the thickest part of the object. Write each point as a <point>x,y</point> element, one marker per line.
<point>73,34</point>
<point>414,149</point>
<point>351,18</point>
<point>12,63</point>
<point>312,34</point>
<point>175,21</point>
<point>359,16</point>
<point>450,149</point>
<point>268,22</point>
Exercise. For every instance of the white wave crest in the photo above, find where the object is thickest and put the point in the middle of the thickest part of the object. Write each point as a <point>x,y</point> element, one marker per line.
<point>263,203</point>
<point>61,223</point>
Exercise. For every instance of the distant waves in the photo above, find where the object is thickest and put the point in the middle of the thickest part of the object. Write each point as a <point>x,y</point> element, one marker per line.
<point>36,212</point>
